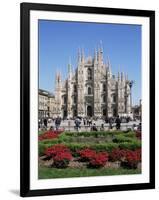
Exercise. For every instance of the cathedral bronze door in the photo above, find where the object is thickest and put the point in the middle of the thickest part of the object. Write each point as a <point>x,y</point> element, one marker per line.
<point>89,111</point>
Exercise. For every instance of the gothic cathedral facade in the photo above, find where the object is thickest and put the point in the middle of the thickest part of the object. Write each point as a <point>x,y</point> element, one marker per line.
<point>92,90</point>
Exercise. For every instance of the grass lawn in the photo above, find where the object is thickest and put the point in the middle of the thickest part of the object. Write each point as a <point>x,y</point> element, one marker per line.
<point>46,173</point>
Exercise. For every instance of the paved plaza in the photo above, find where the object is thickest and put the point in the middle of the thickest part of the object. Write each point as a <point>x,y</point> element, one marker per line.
<point>69,125</point>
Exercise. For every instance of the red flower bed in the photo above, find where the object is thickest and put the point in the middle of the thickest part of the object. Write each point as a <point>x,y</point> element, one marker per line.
<point>117,155</point>
<point>95,159</point>
<point>53,150</point>
<point>60,154</point>
<point>132,158</point>
<point>50,134</point>
<point>99,159</point>
<point>86,154</point>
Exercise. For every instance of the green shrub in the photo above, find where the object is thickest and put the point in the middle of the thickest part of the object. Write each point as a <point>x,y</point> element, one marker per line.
<point>65,138</point>
<point>97,147</point>
<point>92,133</point>
<point>42,148</point>
<point>45,144</point>
<point>130,134</point>
<point>130,145</point>
<point>51,142</point>
<point>105,147</point>
<point>122,138</point>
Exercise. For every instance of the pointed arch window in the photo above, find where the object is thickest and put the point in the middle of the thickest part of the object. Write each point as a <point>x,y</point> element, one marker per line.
<point>75,88</point>
<point>104,99</point>
<point>89,90</point>
<point>89,74</point>
<point>75,99</point>
<point>64,99</point>
<point>104,87</point>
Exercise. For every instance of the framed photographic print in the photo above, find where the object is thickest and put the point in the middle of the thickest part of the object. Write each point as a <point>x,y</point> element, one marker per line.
<point>87,99</point>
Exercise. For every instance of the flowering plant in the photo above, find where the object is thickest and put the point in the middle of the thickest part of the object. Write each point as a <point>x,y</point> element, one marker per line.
<point>86,154</point>
<point>132,158</point>
<point>48,135</point>
<point>61,155</point>
<point>95,159</point>
<point>99,159</point>
<point>117,155</point>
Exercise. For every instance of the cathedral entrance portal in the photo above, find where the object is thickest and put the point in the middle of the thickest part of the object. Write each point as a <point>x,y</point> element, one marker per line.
<point>74,113</point>
<point>114,112</point>
<point>64,113</point>
<point>104,112</point>
<point>89,111</point>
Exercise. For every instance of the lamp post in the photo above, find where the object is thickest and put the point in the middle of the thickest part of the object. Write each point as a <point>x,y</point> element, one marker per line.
<point>130,83</point>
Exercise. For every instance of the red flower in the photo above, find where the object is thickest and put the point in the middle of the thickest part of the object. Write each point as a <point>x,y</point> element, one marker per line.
<point>132,158</point>
<point>99,159</point>
<point>60,154</point>
<point>53,150</point>
<point>86,154</point>
<point>48,135</point>
<point>117,155</point>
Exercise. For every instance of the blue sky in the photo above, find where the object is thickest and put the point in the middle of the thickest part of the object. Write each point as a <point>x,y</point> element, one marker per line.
<point>59,41</point>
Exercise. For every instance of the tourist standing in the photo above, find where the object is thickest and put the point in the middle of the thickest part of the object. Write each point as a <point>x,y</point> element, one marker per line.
<point>94,128</point>
<point>110,123</point>
<point>57,122</point>
<point>118,122</point>
<point>77,124</point>
<point>45,123</point>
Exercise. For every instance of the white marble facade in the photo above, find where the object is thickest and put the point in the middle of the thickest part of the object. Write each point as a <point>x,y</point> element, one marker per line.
<point>92,89</point>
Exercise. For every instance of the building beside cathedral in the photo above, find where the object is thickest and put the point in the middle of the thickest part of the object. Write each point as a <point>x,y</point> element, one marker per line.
<point>92,90</point>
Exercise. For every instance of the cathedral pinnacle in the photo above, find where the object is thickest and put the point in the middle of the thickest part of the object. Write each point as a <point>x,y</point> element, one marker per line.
<point>101,46</point>
<point>95,55</point>
<point>79,55</point>
<point>82,55</point>
<point>69,66</point>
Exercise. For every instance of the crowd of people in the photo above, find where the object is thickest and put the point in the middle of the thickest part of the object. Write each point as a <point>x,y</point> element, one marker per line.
<point>113,122</point>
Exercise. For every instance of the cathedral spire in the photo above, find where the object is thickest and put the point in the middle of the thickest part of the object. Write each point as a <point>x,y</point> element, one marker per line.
<point>79,55</point>
<point>95,55</point>
<point>82,55</point>
<point>118,76</point>
<point>58,78</point>
<point>122,76</point>
<point>101,46</point>
<point>69,69</point>
<point>69,66</point>
<point>108,65</point>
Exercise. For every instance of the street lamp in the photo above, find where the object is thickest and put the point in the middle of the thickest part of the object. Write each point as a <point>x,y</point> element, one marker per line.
<point>130,83</point>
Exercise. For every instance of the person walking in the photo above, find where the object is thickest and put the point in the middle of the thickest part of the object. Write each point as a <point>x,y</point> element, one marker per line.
<point>45,123</point>
<point>110,123</point>
<point>57,123</point>
<point>94,128</point>
<point>118,122</point>
<point>77,124</point>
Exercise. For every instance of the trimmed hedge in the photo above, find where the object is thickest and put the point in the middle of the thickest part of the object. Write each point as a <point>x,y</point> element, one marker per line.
<point>130,145</point>
<point>97,147</point>
<point>130,134</point>
<point>93,133</point>
<point>123,138</point>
